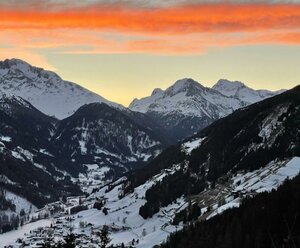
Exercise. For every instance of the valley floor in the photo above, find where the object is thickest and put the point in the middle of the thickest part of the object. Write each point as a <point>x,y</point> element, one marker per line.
<point>125,223</point>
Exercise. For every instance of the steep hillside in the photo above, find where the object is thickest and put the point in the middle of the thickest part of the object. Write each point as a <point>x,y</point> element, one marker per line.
<point>268,220</point>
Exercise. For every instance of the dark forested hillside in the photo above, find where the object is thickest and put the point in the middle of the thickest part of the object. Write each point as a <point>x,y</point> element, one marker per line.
<point>251,137</point>
<point>25,166</point>
<point>268,220</point>
<point>39,154</point>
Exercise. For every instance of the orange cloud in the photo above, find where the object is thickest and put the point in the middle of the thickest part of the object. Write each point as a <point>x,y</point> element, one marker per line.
<point>290,38</point>
<point>188,29</point>
<point>218,17</point>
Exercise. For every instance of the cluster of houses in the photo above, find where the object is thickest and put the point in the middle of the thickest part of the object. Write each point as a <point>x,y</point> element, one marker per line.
<point>87,235</point>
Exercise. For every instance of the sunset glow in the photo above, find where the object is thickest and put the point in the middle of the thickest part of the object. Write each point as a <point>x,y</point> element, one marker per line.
<point>42,32</point>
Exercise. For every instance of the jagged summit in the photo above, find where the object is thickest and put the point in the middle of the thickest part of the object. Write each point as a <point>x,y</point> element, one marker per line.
<point>228,88</point>
<point>18,66</point>
<point>184,85</point>
<point>13,62</point>
<point>234,83</point>
<point>239,90</point>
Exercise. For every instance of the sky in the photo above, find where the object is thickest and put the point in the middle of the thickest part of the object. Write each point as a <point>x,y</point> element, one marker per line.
<point>123,49</point>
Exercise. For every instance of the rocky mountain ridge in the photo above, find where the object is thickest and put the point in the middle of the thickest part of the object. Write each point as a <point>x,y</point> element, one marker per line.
<point>187,106</point>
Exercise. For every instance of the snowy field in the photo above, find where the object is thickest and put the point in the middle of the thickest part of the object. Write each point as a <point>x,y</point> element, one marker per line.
<point>9,238</point>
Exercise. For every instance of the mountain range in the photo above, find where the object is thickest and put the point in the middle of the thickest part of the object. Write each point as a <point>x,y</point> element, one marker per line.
<point>181,156</point>
<point>186,107</point>
<point>181,110</point>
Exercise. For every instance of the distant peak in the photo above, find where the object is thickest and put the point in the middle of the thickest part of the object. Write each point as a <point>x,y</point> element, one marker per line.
<point>186,81</point>
<point>156,91</point>
<point>229,88</point>
<point>27,69</point>
<point>184,85</point>
<point>232,84</point>
<point>94,109</point>
<point>15,61</point>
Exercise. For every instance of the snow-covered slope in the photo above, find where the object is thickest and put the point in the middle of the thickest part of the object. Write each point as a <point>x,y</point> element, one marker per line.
<point>44,89</point>
<point>187,106</point>
<point>20,203</point>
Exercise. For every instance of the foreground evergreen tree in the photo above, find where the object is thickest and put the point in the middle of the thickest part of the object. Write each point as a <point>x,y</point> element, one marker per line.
<point>104,237</point>
<point>69,242</point>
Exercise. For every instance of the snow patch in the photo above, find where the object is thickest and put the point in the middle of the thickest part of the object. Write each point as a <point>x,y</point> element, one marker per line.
<point>189,146</point>
<point>5,138</point>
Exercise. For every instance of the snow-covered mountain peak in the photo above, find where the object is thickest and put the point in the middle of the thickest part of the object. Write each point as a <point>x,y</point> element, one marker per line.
<point>8,63</point>
<point>171,99</point>
<point>228,88</point>
<point>239,90</point>
<point>17,68</point>
<point>45,89</point>
<point>186,97</point>
<point>185,85</point>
